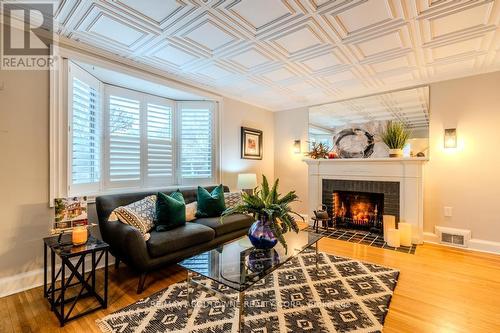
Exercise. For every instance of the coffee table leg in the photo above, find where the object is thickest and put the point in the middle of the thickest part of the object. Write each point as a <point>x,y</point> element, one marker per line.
<point>241,309</point>
<point>189,308</point>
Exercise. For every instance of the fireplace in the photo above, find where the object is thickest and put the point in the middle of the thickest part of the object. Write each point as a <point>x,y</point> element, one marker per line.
<point>360,204</point>
<point>358,210</point>
<point>400,180</point>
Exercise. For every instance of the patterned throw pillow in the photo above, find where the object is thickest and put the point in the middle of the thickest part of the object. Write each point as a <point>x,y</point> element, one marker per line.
<point>232,199</point>
<point>139,214</point>
<point>191,211</point>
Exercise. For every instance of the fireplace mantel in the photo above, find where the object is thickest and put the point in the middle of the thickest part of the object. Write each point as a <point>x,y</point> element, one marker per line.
<point>366,160</point>
<point>407,171</point>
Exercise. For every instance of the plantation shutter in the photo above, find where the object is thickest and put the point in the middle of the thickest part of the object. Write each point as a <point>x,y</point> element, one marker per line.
<point>124,138</point>
<point>159,133</point>
<point>197,145</point>
<point>84,132</point>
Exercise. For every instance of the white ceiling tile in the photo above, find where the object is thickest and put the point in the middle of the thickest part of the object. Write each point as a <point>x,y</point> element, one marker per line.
<point>392,64</point>
<point>279,75</point>
<point>260,12</point>
<point>364,15</point>
<point>322,62</point>
<point>250,58</point>
<point>391,41</point>
<point>112,29</point>
<point>210,35</point>
<point>454,49</point>
<point>157,10</point>
<point>174,55</point>
<point>460,20</point>
<point>299,40</point>
<point>340,77</point>
<point>214,72</point>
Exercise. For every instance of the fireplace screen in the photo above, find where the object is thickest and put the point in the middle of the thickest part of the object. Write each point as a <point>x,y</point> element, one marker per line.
<point>359,210</point>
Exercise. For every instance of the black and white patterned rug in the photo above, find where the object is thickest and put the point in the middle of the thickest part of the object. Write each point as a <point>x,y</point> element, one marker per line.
<point>344,295</point>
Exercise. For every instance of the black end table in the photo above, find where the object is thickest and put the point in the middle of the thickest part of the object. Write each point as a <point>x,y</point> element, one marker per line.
<point>73,258</point>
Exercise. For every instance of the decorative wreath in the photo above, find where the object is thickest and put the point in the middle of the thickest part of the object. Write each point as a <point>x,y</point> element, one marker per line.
<point>368,150</point>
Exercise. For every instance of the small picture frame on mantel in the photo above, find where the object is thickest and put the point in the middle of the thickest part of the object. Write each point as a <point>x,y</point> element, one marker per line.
<point>251,143</point>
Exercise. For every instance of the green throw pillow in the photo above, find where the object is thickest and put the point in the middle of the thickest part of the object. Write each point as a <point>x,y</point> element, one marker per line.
<point>170,211</point>
<point>210,204</point>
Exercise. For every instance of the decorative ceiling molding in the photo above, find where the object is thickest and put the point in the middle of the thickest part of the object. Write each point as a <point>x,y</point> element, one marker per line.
<point>283,54</point>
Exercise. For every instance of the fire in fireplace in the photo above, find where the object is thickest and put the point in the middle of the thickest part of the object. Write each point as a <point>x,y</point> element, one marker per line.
<point>358,210</point>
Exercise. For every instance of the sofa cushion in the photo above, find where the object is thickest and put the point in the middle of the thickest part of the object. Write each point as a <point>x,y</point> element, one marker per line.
<point>190,234</point>
<point>139,214</point>
<point>170,211</point>
<point>229,223</point>
<point>232,199</point>
<point>210,204</point>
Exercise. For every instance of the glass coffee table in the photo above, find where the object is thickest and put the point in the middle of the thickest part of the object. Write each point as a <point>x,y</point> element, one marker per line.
<point>238,265</point>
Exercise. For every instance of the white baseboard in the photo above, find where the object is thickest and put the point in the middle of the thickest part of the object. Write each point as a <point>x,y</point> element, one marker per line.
<point>474,244</point>
<point>31,279</point>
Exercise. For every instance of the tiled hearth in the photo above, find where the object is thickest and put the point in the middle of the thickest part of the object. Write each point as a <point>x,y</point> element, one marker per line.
<point>362,237</point>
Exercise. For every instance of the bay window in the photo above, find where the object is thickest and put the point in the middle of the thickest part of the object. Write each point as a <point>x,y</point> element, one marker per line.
<point>123,139</point>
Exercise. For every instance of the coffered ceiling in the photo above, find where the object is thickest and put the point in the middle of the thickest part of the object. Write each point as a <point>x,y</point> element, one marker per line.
<point>282,54</point>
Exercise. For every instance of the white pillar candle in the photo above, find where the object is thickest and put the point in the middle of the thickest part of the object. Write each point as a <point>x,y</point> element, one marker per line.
<point>393,237</point>
<point>405,232</point>
<point>389,222</point>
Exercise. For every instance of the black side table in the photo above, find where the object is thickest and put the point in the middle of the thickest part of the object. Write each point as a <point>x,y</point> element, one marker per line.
<point>87,282</point>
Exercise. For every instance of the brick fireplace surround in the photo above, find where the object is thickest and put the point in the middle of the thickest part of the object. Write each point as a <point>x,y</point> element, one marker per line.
<point>376,175</point>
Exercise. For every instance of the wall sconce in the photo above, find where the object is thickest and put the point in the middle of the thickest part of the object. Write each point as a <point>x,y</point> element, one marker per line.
<point>450,138</point>
<point>296,147</point>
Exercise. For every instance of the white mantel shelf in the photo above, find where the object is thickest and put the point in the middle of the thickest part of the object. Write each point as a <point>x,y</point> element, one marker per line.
<point>408,172</point>
<point>365,160</point>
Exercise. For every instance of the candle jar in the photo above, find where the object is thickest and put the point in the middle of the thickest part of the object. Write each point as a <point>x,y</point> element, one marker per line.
<point>79,235</point>
<point>405,230</point>
<point>393,237</point>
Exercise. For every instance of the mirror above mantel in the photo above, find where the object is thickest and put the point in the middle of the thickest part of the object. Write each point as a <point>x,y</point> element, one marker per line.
<point>353,128</point>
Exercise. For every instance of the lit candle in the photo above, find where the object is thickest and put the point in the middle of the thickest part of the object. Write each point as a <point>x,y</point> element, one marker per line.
<point>79,235</point>
<point>405,231</point>
<point>389,223</point>
<point>393,237</point>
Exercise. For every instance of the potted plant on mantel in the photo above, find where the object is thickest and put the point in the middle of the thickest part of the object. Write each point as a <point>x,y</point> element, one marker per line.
<point>395,136</point>
<point>272,213</point>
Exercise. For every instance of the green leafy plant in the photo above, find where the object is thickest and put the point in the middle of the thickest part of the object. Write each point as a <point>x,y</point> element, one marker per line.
<point>395,135</point>
<point>319,150</point>
<point>267,204</point>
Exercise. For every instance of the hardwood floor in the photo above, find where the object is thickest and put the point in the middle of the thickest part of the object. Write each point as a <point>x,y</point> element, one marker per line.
<point>440,289</point>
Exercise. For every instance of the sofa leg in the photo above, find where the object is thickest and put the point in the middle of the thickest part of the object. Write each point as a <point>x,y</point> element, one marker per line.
<point>142,280</point>
<point>117,263</point>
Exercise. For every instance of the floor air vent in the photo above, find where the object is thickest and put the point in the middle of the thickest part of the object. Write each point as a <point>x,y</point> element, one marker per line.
<point>452,236</point>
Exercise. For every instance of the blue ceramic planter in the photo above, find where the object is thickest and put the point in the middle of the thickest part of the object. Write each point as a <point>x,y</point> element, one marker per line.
<point>261,235</point>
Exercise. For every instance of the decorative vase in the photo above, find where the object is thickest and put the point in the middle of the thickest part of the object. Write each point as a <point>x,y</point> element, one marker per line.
<point>261,236</point>
<point>395,152</point>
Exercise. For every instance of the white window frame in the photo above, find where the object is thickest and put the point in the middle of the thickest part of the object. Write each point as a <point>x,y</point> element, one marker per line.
<point>74,71</point>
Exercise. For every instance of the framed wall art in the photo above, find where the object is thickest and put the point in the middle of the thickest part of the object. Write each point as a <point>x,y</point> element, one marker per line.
<point>251,143</point>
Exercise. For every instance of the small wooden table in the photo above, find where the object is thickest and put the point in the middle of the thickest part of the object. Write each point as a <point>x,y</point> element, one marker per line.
<point>96,249</point>
<point>324,222</point>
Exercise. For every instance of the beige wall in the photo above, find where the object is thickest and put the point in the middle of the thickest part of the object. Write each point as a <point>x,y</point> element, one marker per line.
<point>25,216</point>
<point>24,169</point>
<point>466,179</point>
<point>289,126</point>
<point>234,115</point>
